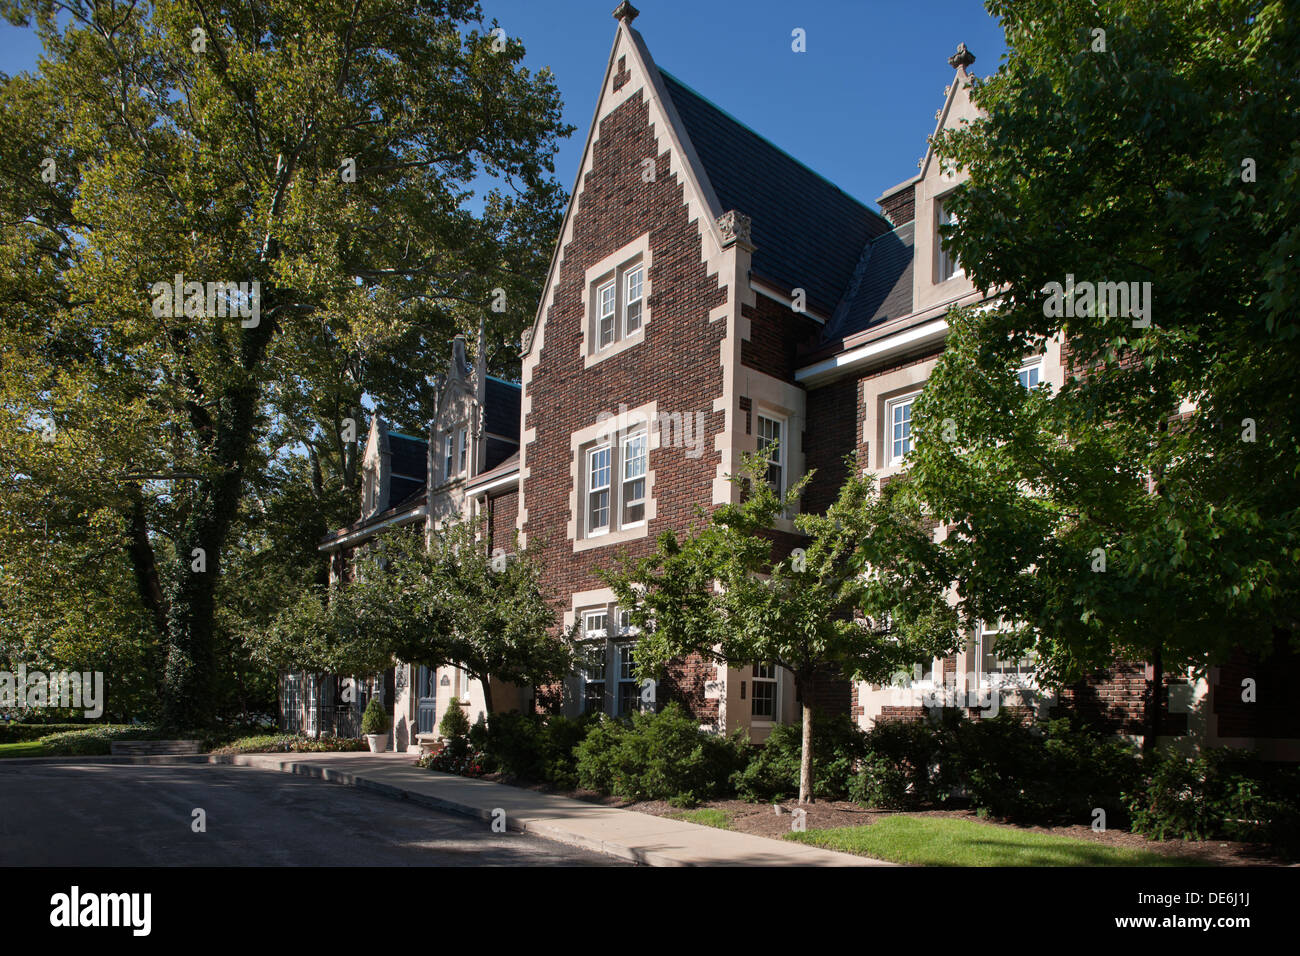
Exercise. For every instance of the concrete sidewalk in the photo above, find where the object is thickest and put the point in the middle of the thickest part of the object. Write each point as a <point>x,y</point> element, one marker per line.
<point>627,834</point>
<point>640,837</point>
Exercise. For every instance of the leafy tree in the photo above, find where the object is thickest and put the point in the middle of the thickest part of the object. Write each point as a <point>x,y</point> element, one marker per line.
<point>444,603</point>
<point>329,151</point>
<point>1163,149</point>
<point>865,597</point>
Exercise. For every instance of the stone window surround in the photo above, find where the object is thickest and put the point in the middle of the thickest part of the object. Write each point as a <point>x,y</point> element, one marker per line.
<point>614,266</point>
<point>579,443</point>
<point>784,404</point>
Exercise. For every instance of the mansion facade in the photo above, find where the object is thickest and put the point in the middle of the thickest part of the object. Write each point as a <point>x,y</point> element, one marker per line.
<point>710,296</point>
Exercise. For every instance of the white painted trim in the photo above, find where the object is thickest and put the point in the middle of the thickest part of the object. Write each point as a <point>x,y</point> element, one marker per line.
<point>882,350</point>
<point>415,514</point>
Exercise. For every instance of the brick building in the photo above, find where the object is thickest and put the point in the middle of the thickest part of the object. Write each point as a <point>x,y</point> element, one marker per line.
<point>710,296</point>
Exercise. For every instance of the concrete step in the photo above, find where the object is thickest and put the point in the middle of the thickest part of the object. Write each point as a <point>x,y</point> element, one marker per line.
<point>136,748</point>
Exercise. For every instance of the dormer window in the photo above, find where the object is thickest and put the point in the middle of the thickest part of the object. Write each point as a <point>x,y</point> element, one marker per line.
<point>948,265</point>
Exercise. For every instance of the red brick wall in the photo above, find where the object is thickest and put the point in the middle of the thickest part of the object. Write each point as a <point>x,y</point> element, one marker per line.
<point>774,334</point>
<point>834,424</point>
<point>504,509</point>
<point>677,365</point>
<point>900,207</point>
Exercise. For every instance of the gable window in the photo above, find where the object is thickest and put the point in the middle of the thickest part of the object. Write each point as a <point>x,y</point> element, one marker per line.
<point>1031,374</point>
<point>618,292</point>
<point>632,301</point>
<point>771,444</point>
<point>898,419</point>
<point>763,699</point>
<point>598,489</point>
<point>948,264</point>
<point>634,468</point>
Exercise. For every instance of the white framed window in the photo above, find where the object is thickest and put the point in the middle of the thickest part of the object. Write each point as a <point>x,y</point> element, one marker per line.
<point>772,445</point>
<point>948,264</point>
<point>1030,374</point>
<point>629,689</point>
<point>635,452</point>
<point>598,475</point>
<point>606,326</point>
<point>898,427</point>
<point>592,660</point>
<point>763,687</point>
<point>448,440</point>
<point>461,449</point>
<point>632,300</point>
<point>993,667</point>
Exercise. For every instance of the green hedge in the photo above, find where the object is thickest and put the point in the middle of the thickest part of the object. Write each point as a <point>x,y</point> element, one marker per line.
<point>532,748</point>
<point>662,756</point>
<point>94,741</point>
<point>773,771</point>
<point>292,743</point>
<point>22,733</point>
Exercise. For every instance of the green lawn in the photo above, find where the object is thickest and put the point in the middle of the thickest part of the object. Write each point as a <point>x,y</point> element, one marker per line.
<point>705,816</point>
<point>30,748</point>
<point>940,841</point>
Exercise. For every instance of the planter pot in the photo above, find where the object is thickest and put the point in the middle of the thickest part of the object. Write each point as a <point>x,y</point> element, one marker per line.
<point>378,742</point>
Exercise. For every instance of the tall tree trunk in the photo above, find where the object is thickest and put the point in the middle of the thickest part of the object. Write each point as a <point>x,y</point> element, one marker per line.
<point>188,677</point>
<point>487,694</point>
<point>806,751</point>
<point>1155,703</point>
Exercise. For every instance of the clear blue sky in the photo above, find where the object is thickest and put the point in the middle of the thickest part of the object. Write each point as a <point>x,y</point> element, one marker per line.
<point>856,107</point>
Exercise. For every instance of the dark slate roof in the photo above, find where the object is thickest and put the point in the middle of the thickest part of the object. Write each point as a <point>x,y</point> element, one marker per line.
<point>410,456</point>
<point>501,408</point>
<point>883,291</point>
<point>808,233</point>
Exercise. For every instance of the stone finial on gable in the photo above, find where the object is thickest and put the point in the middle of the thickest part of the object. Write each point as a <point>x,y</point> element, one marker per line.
<point>626,12</point>
<point>735,226</point>
<point>962,58</point>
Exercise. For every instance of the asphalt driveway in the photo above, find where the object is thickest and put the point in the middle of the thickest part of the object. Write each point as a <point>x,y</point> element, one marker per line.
<point>136,815</point>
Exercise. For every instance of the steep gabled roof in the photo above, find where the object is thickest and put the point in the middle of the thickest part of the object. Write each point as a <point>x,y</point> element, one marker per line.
<point>808,232</point>
<point>501,407</point>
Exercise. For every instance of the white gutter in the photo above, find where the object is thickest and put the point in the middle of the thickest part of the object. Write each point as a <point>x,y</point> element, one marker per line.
<point>929,333</point>
<point>511,479</point>
<point>415,514</point>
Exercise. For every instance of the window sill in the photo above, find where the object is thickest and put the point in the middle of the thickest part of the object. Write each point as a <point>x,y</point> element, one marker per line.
<point>622,345</point>
<point>632,533</point>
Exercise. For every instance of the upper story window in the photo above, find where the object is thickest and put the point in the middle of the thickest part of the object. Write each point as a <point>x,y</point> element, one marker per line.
<point>1031,374</point>
<point>898,422</point>
<point>614,483</point>
<point>448,444</point>
<point>948,264</point>
<point>462,443</point>
<point>618,301</point>
<point>772,445</point>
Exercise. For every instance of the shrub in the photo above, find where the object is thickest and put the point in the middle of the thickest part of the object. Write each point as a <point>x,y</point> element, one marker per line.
<point>881,784</point>
<point>465,760</point>
<point>16,733</point>
<point>375,719</point>
<point>535,748</point>
<point>94,741</point>
<point>455,722</point>
<point>773,771</point>
<point>291,743</point>
<point>662,756</point>
<point>907,753</point>
<point>1223,793</point>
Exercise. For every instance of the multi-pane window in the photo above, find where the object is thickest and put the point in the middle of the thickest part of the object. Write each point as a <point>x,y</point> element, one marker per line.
<point>461,449</point>
<point>629,690</point>
<point>448,446</point>
<point>1030,374</point>
<point>763,697</point>
<point>634,474</point>
<point>993,663</point>
<point>592,666</point>
<point>616,480</point>
<point>606,323</point>
<point>771,444</point>
<point>948,264</point>
<point>632,300</point>
<point>898,419</point>
<point>598,489</point>
<point>619,305</point>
